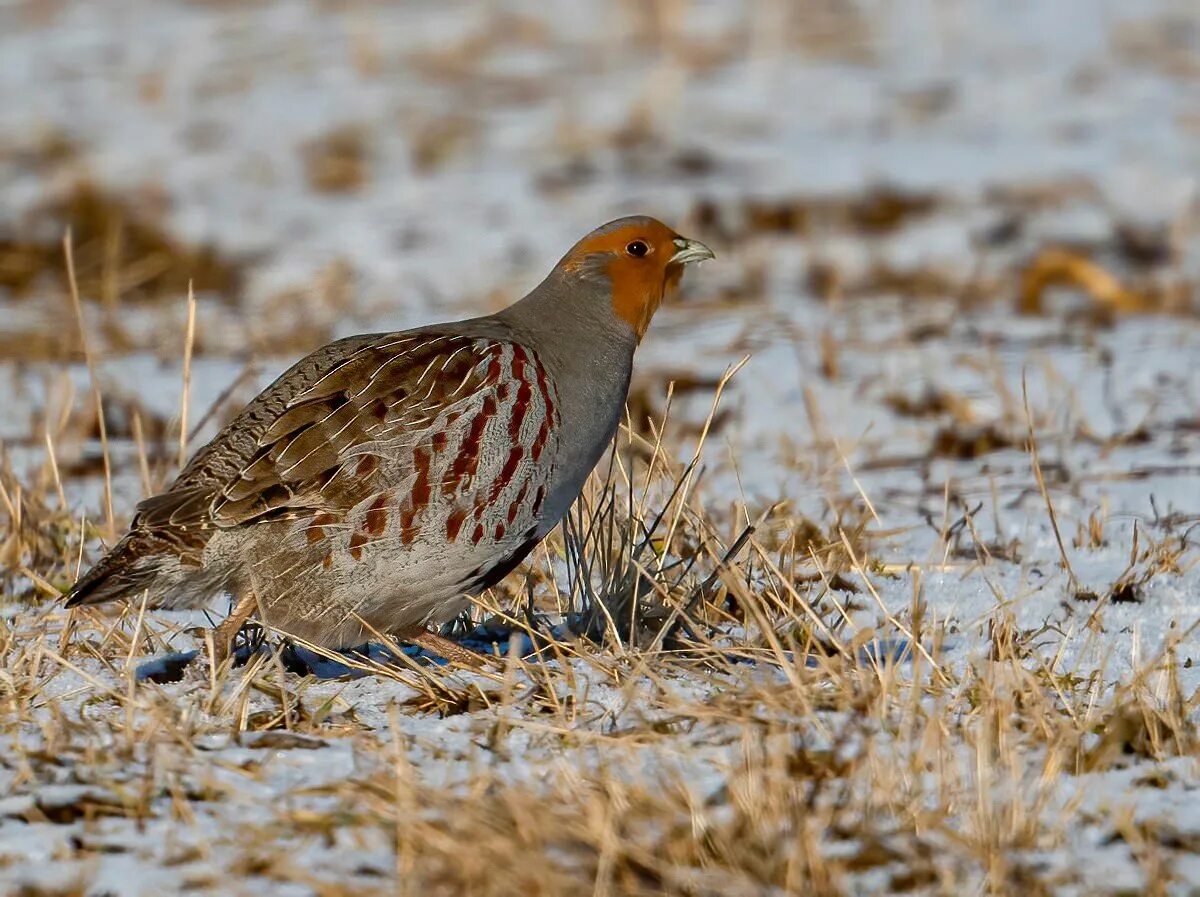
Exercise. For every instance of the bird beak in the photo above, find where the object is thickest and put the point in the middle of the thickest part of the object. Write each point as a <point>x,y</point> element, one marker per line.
<point>690,251</point>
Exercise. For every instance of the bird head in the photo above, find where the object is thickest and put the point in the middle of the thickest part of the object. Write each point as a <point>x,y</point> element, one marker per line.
<point>639,259</point>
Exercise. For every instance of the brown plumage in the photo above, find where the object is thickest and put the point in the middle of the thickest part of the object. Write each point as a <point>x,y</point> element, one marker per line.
<point>385,477</point>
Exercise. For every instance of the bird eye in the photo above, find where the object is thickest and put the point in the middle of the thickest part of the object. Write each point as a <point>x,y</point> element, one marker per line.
<point>637,249</point>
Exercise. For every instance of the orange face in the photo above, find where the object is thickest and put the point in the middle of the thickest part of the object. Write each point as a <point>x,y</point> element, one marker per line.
<point>642,258</point>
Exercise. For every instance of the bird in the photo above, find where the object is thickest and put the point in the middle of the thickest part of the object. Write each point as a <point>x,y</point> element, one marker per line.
<point>386,478</point>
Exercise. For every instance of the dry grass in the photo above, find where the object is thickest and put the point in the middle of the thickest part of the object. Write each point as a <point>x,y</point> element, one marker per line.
<point>719,724</point>
<point>802,777</point>
<point>121,250</point>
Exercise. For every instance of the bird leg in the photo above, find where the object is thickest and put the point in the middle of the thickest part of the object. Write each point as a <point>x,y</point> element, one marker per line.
<point>224,634</point>
<point>443,647</point>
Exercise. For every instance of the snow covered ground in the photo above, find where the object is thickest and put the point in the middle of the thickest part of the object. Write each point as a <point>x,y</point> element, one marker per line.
<point>885,185</point>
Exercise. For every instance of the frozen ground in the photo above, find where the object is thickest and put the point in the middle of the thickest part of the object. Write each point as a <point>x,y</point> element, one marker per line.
<point>879,180</point>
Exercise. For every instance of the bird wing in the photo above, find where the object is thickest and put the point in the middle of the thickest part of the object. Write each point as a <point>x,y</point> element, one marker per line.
<point>310,441</point>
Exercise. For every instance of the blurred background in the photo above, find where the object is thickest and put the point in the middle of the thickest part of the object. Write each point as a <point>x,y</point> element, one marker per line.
<point>912,202</point>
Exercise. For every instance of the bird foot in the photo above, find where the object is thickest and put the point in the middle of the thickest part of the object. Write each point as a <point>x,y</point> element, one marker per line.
<point>224,634</point>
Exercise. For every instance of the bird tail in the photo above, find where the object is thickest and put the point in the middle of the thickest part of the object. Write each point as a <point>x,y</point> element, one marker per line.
<point>121,573</point>
<point>112,577</point>
<point>142,567</point>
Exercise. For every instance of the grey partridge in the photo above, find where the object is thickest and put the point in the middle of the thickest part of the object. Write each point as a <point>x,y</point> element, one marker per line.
<point>385,478</point>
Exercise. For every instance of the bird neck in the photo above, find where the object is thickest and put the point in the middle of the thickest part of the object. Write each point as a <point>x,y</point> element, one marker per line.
<point>588,352</point>
<point>573,330</point>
